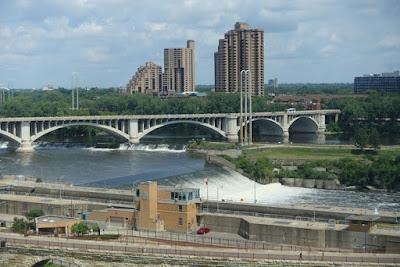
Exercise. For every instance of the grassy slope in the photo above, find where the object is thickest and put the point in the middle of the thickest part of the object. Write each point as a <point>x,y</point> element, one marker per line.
<point>312,152</point>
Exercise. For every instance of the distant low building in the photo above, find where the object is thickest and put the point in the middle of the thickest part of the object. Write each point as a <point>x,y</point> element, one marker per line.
<point>55,225</point>
<point>273,83</point>
<point>147,80</point>
<point>386,82</point>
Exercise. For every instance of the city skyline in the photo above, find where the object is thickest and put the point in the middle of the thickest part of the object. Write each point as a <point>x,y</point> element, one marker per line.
<point>45,42</point>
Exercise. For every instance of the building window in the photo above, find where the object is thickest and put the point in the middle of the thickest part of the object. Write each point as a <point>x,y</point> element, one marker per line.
<point>180,208</point>
<point>180,221</point>
<point>137,192</point>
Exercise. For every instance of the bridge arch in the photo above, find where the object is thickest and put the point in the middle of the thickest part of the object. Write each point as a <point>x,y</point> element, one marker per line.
<point>206,125</point>
<point>303,124</point>
<point>10,136</point>
<point>271,122</point>
<point>106,128</point>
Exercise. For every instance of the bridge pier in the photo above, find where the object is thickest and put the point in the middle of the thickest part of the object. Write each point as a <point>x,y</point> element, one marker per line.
<point>133,131</point>
<point>26,144</point>
<point>232,129</point>
<point>25,147</point>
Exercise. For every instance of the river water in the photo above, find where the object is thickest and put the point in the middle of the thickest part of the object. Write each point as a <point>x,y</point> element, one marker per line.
<point>170,164</point>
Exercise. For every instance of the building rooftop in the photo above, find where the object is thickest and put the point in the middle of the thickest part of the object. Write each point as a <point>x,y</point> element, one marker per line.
<point>54,218</point>
<point>311,225</point>
<point>176,189</point>
<point>384,74</point>
<point>367,218</point>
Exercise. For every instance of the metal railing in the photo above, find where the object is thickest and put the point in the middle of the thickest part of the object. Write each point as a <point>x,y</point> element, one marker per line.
<point>205,209</point>
<point>80,245</point>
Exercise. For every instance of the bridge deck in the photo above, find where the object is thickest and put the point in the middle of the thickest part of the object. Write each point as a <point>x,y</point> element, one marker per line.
<point>164,116</point>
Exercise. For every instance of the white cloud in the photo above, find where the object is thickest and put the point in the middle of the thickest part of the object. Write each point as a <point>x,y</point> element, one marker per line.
<point>327,50</point>
<point>122,34</point>
<point>96,54</point>
<point>392,41</point>
<point>156,26</point>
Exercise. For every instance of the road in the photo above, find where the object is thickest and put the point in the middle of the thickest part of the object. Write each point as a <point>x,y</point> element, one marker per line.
<point>14,240</point>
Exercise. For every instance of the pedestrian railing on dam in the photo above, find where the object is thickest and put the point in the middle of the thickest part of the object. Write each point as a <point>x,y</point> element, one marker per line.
<point>190,239</point>
<point>90,199</point>
<point>112,247</point>
<point>205,210</point>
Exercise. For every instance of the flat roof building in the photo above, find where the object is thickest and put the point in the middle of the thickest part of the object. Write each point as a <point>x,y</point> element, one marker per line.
<point>55,225</point>
<point>179,69</point>
<point>241,49</point>
<point>388,82</point>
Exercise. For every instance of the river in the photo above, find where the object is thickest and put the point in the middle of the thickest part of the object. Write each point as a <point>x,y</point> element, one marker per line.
<point>170,164</point>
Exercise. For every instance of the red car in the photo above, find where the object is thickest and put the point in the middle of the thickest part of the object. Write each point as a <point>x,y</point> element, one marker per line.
<point>203,230</point>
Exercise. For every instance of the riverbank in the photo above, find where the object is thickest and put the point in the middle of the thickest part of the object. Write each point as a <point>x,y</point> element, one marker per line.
<point>311,166</point>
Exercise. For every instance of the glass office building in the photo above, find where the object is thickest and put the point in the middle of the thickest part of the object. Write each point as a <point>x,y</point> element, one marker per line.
<point>385,82</point>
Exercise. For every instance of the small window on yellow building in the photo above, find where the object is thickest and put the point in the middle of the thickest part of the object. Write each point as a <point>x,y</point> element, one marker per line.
<point>180,221</point>
<point>180,208</point>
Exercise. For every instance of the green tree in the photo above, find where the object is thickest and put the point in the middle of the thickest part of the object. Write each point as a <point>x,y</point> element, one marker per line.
<point>79,228</point>
<point>20,225</point>
<point>361,138</point>
<point>374,138</point>
<point>34,213</point>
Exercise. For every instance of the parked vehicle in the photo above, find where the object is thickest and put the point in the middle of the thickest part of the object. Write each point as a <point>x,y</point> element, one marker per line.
<point>203,230</point>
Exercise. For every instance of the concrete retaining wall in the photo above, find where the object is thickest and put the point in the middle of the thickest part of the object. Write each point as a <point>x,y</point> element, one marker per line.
<point>287,210</point>
<point>312,183</point>
<point>22,207</point>
<point>71,192</point>
<point>225,224</point>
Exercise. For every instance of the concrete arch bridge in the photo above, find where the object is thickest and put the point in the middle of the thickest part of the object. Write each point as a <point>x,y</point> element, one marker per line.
<point>26,130</point>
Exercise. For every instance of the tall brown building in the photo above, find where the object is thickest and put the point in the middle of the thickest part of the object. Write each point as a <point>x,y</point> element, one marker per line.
<point>147,80</point>
<point>179,69</point>
<point>241,49</point>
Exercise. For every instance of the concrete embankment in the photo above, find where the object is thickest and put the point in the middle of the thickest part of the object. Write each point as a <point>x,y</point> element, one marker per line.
<point>32,186</point>
<point>312,183</point>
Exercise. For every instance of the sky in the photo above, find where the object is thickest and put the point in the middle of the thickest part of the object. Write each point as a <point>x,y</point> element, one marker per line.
<point>102,42</point>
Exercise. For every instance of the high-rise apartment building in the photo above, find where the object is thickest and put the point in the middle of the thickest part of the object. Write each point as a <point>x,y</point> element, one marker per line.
<point>147,80</point>
<point>388,82</point>
<point>179,69</point>
<point>241,49</point>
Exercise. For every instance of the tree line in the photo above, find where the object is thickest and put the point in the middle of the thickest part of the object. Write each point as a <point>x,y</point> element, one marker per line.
<point>109,102</point>
<point>382,172</point>
<point>367,119</point>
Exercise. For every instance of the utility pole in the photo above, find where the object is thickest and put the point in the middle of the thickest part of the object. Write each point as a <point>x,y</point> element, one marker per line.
<point>255,192</point>
<point>77,98</point>
<point>75,91</point>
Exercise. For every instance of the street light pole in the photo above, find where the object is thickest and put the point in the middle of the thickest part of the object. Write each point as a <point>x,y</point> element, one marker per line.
<point>250,110</point>
<point>245,126</point>
<point>217,200</point>
<point>241,109</point>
